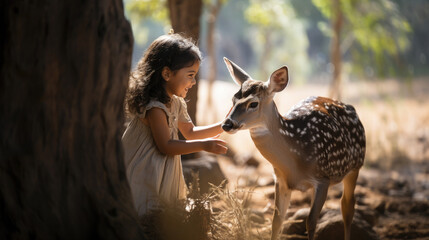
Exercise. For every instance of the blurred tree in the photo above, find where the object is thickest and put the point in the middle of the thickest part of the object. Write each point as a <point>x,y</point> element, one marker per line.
<point>185,19</point>
<point>64,68</point>
<point>213,7</point>
<point>155,9</point>
<point>417,14</point>
<point>371,29</point>
<point>140,12</point>
<point>279,35</point>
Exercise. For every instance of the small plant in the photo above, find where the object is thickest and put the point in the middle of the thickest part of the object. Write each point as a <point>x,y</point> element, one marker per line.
<point>188,219</point>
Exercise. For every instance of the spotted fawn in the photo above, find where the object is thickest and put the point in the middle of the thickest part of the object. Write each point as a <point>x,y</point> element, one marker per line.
<point>318,143</point>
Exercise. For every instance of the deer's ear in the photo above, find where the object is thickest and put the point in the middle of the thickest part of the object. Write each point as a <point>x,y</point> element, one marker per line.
<point>238,74</point>
<point>278,80</point>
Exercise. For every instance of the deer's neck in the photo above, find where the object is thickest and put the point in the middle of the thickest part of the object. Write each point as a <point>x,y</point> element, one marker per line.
<point>276,148</point>
<point>270,142</point>
<point>270,123</point>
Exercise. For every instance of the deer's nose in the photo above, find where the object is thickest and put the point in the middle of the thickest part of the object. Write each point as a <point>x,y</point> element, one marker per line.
<point>227,125</point>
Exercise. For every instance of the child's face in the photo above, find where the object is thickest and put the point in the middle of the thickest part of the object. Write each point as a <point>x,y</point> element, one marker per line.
<point>179,82</point>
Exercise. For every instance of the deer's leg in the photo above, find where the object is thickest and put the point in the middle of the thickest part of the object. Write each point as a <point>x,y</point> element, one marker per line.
<point>282,198</point>
<point>348,201</point>
<point>319,197</point>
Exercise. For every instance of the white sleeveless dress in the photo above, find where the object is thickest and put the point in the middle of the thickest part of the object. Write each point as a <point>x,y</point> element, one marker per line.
<point>154,178</point>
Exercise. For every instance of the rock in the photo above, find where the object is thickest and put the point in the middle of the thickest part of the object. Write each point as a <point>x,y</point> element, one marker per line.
<point>419,207</point>
<point>331,226</point>
<point>374,201</point>
<point>392,206</point>
<point>295,225</point>
<point>208,169</point>
<point>405,229</point>
<point>368,214</point>
<point>380,206</point>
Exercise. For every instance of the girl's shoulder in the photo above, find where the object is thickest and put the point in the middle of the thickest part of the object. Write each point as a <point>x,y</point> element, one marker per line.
<point>178,101</point>
<point>179,104</point>
<point>181,109</point>
<point>154,104</point>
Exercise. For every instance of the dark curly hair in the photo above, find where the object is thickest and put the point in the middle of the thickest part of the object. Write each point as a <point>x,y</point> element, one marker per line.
<point>146,82</point>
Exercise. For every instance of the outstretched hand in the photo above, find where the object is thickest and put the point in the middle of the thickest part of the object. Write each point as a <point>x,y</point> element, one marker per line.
<point>216,146</point>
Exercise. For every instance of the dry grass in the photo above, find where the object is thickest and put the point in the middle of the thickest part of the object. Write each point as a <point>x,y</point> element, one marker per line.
<point>234,219</point>
<point>230,219</point>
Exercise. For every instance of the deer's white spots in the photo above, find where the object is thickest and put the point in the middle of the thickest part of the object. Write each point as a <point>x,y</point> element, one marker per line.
<point>332,140</point>
<point>286,133</point>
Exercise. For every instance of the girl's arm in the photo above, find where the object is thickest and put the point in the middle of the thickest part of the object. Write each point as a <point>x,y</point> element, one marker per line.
<point>189,131</point>
<point>157,121</point>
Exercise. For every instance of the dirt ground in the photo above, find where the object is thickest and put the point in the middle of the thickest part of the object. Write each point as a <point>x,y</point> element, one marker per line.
<point>393,186</point>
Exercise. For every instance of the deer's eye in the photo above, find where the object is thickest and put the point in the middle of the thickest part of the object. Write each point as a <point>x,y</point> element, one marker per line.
<point>253,105</point>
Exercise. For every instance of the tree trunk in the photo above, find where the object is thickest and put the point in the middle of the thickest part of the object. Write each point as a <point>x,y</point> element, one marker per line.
<point>64,73</point>
<point>185,19</point>
<point>266,53</point>
<point>211,25</point>
<point>337,22</point>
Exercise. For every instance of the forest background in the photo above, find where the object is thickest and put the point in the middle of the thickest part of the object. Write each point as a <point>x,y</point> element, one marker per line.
<point>372,54</point>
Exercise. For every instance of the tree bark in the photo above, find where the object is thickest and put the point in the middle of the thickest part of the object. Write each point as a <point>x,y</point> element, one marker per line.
<point>266,53</point>
<point>64,73</point>
<point>185,19</point>
<point>337,23</point>
<point>214,9</point>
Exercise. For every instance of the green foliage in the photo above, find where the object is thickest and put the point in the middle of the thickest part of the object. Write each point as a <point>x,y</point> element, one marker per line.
<point>377,27</point>
<point>273,14</point>
<point>379,37</point>
<point>212,2</point>
<point>278,36</point>
<point>143,15</point>
<point>154,9</point>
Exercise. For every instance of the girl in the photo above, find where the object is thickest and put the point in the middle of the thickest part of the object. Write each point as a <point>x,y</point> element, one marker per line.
<point>159,83</point>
